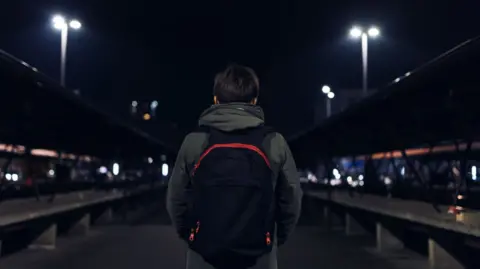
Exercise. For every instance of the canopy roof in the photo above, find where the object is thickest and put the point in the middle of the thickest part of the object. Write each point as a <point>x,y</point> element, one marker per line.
<point>434,103</point>
<point>38,113</point>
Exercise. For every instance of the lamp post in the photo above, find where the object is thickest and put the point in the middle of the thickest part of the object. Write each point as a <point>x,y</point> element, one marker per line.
<point>61,24</point>
<point>330,95</point>
<point>357,32</point>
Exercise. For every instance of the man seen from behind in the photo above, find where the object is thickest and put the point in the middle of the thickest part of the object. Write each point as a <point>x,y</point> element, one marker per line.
<point>234,195</point>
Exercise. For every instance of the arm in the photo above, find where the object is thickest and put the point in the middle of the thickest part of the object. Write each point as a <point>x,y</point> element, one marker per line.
<point>178,185</point>
<point>288,193</point>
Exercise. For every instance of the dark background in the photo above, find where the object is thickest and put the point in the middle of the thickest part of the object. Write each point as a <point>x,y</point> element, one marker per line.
<point>170,50</point>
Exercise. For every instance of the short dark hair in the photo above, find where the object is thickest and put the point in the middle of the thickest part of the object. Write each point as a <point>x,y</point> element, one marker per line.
<point>236,84</point>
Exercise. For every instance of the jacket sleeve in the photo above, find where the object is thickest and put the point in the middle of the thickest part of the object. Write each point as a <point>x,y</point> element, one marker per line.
<point>178,186</point>
<point>288,194</point>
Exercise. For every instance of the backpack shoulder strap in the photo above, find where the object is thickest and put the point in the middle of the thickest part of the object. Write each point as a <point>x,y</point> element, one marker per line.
<point>204,130</point>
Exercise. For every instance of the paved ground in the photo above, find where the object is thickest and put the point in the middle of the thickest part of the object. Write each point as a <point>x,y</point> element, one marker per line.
<point>150,243</point>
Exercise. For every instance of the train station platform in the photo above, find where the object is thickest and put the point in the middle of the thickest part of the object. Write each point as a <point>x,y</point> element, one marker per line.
<point>149,241</point>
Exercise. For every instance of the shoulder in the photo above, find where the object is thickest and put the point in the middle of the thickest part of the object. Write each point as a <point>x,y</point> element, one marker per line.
<point>193,145</point>
<point>194,138</point>
<point>275,146</point>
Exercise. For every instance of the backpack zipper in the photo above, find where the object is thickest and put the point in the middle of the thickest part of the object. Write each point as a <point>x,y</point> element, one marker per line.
<point>192,235</point>
<point>194,231</point>
<point>198,227</point>
<point>267,239</point>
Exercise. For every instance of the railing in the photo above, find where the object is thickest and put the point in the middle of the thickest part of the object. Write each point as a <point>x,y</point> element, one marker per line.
<point>435,195</point>
<point>51,189</point>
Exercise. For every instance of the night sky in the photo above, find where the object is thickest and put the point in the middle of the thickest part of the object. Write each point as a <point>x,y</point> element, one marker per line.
<point>170,50</point>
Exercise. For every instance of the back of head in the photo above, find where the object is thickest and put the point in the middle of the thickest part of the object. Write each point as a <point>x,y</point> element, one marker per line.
<point>236,84</point>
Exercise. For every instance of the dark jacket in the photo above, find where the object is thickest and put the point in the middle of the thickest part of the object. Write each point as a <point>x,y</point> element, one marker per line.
<point>230,117</point>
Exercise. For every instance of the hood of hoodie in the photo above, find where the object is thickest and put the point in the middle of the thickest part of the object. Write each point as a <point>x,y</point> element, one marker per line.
<point>232,116</point>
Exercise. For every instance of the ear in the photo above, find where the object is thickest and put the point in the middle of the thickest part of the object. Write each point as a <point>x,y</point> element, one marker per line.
<point>254,101</point>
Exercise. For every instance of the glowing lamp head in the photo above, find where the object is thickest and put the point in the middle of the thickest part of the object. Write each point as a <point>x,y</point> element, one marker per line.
<point>59,22</point>
<point>58,19</point>
<point>373,32</point>
<point>75,24</point>
<point>154,105</point>
<point>331,95</point>
<point>326,89</point>
<point>356,32</point>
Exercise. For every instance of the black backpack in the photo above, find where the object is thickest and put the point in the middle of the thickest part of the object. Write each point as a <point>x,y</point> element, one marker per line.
<point>231,216</point>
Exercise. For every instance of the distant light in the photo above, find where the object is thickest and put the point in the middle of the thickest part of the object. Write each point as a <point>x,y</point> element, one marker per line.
<point>154,105</point>
<point>336,173</point>
<point>460,197</point>
<point>146,116</point>
<point>134,107</point>
<point>349,180</point>
<point>388,181</point>
<point>311,177</point>
<point>57,19</point>
<point>361,183</point>
<point>360,177</point>
<point>373,32</point>
<point>75,24</point>
<point>407,74</point>
<point>165,169</point>
<point>335,182</point>
<point>331,95</point>
<point>14,177</point>
<point>59,22</point>
<point>150,160</point>
<point>356,32</point>
<point>402,171</point>
<point>116,169</point>
<point>474,172</point>
<point>326,89</point>
<point>102,170</point>
<point>59,26</point>
<point>8,176</point>
<point>51,172</point>
<point>397,80</point>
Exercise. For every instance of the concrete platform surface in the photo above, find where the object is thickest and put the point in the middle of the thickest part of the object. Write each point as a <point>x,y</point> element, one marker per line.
<point>19,210</point>
<point>414,211</point>
<point>150,243</point>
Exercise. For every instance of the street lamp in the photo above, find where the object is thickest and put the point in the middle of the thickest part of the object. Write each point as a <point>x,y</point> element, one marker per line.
<point>330,95</point>
<point>153,107</point>
<point>61,24</point>
<point>357,32</point>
